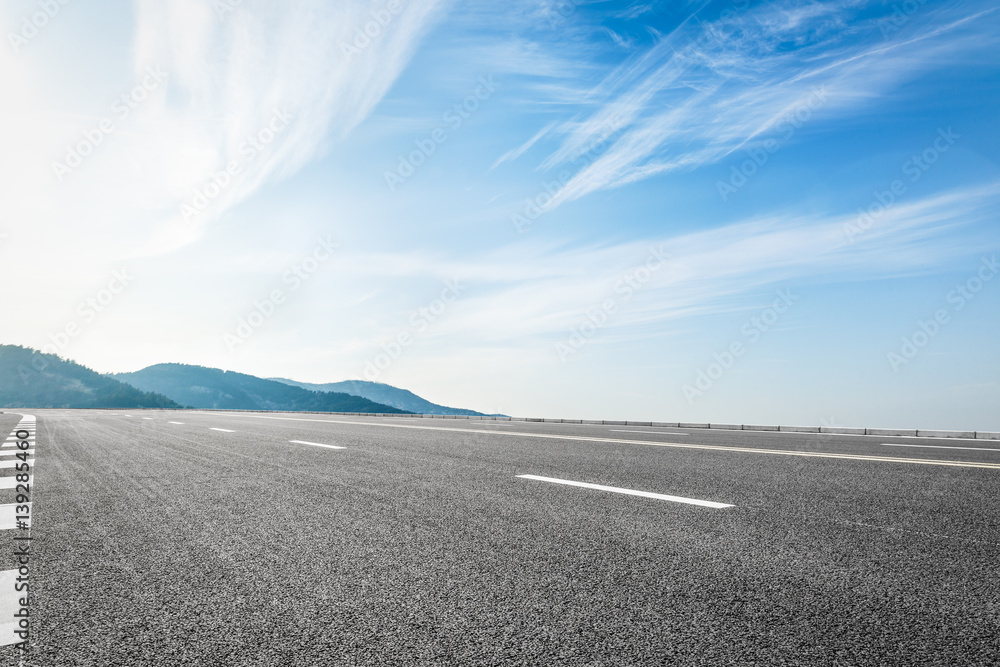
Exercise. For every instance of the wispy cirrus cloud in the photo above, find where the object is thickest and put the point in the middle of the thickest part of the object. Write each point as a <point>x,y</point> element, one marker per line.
<point>227,77</point>
<point>709,88</point>
<point>232,72</point>
<point>518,151</point>
<point>536,291</point>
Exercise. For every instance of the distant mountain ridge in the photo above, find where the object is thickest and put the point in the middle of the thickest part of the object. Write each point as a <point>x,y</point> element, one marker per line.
<point>213,388</point>
<point>385,394</point>
<point>31,379</point>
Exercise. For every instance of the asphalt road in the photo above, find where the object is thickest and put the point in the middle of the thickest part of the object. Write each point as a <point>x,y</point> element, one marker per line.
<point>162,543</point>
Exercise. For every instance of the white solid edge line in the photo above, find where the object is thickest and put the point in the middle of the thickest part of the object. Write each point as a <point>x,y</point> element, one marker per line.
<point>516,422</point>
<point>630,492</point>
<point>622,430</point>
<point>975,449</point>
<point>223,430</point>
<point>315,444</point>
<point>647,443</point>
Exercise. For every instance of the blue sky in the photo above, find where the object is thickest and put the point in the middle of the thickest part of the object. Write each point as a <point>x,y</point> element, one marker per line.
<point>727,211</point>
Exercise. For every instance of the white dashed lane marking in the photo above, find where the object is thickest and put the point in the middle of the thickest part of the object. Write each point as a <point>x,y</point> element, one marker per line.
<point>8,516</point>
<point>222,430</point>
<point>9,605</point>
<point>11,513</point>
<point>629,492</point>
<point>315,444</point>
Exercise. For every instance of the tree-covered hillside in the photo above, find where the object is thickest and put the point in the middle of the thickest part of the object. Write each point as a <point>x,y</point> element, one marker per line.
<point>31,379</point>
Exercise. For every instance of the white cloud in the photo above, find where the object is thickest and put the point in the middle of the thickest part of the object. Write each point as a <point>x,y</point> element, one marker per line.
<point>708,89</point>
<point>518,151</point>
<point>227,78</point>
<point>522,293</point>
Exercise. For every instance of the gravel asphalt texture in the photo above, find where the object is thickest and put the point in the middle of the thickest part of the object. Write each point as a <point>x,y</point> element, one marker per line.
<point>172,544</point>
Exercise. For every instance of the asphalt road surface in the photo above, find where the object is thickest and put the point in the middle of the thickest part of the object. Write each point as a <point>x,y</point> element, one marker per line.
<point>202,538</point>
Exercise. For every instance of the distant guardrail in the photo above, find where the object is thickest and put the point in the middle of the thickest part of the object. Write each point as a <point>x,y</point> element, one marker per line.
<point>833,430</point>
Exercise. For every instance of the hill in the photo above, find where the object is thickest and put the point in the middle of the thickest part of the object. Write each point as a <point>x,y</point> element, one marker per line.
<point>31,379</point>
<point>202,387</point>
<point>387,394</point>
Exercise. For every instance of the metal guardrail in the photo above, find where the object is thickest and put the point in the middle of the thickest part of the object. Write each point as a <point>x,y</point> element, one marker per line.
<point>833,430</point>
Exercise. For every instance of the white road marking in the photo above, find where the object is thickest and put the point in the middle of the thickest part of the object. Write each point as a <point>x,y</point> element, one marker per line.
<point>8,516</point>
<point>15,452</point>
<point>976,449</point>
<point>516,422</point>
<point>629,492</point>
<point>27,424</point>
<point>15,463</point>
<point>223,430</point>
<point>178,423</point>
<point>11,482</point>
<point>316,444</point>
<point>9,605</point>
<point>850,435</point>
<point>621,430</point>
<point>647,443</point>
<point>148,418</point>
<point>489,422</point>
<point>727,430</point>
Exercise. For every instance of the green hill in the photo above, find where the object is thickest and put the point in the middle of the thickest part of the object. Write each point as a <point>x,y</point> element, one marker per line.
<point>202,387</point>
<point>386,394</point>
<point>30,379</point>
